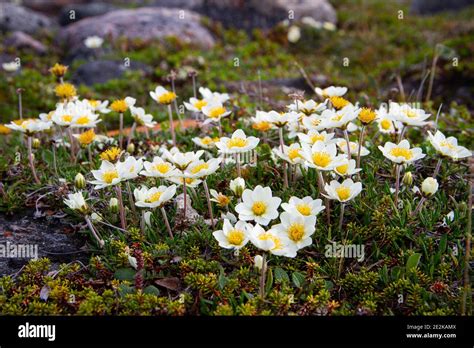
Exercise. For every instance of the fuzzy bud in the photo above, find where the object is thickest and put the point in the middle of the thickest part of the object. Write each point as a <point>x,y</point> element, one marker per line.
<point>79,181</point>
<point>36,143</point>
<point>429,186</point>
<point>114,205</point>
<point>408,179</point>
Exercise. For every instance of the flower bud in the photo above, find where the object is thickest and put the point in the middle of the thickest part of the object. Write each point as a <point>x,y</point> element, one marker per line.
<point>408,179</point>
<point>258,262</point>
<point>36,143</point>
<point>237,186</point>
<point>131,148</point>
<point>429,186</point>
<point>114,205</point>
<point>79,181</point>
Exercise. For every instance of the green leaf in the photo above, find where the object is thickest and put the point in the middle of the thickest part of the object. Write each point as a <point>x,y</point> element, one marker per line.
<point>413,261</point>
<point>443,243</point>
<point>222,279</point>
<point>280,275</point>
<point>298,279</point>
<point>125,289</point>
<point>125,274</point>
<point>269,282</point>
<point>151,290</point>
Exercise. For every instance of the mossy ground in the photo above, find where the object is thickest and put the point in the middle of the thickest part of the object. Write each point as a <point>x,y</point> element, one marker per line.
<point>192,274</point>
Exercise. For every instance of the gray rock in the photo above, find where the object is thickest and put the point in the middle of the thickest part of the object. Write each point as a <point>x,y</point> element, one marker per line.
<point>320,10</point>
<point>17,18</point>
<point>144,23</point>
<point>81,11</point>
<point>20,40</point>
<point>433,6</point>
<point>101,71</point>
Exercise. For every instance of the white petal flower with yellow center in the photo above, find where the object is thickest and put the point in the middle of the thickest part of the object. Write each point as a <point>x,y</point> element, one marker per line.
<point>221,199</point>
<point>347,168</point>
<point>97,105</point>
<point>159,168</point>
<point>190,182</point>
<point>93,42</point>
<point>314,136</point>
<point>401,153</point>
<point>29,126</point>
<point>195,104</point>
<point>181,159</point>
<point>258,205</point>
<point>76,201</point>
<point>206,142</point>
<point>282,119</point>
<point>278,245</point>
<point>448,146</point>
<point>354,146</point>
<point>84,118</point>
<point>208,95</point>
<point>233,237</point>
<point>407,115</point>
<point>308,107</point>
<point>130,168</point>
<point>322,156</point>
<point>293,154</point>
<point>162,96</point>
<point>297,228</point>
<point>106,175</point>
<point>237,186</point>
<point>201,169</point>
<point>313,122</point>
<point>262,122</point>
<point>306,206</point>
<point>154,197</point>
<point>339,118</point>
<point>344,191</point>
<point>141,118</point>
<point>238,143</point>
<point>387,123</point>
<point>331,91</point>
<point>214,111</point>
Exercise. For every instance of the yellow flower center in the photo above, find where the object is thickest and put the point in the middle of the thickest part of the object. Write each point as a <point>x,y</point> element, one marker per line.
<point>338,102</point>
<point>199,167</point>
<point>262,126</point>
<point>448,145</point>
<point>87,137</point>
<point>189,180</point>
<point>315,122</point>
<point>58,70</point>
<point>317,137</point>
<point>386,124</point>
<point>65,90</point>
<point>67,118</point>
<point>343,192</point>
<point>294,153</point>
<point>296,232</point>
<point>162,167</point>
<point>336,117</point>
<point>237,142</point>
<point>119,106</point>
<point>321,159</point>
<point>235,237</point>
<point>207,141</point>
<point>109,176</point>
<point>166,98</point>
<point>199,104</point>
<point>216,112</point>
<point>82,120</point>
<point>94,103</point>
<point>410,113</point>
<point>259,208</point>
<point>342,169</point>
<point>154,197</point>
<point>401,152</point>
<point>366,115</point>
<point>304,209</point>
<point>111,154</point>
<point>276,240</point>
<point>222,200</point>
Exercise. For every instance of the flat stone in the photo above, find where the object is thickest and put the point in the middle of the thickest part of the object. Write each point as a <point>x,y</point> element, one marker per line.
<point>20,40</point>
<point>18,18</point>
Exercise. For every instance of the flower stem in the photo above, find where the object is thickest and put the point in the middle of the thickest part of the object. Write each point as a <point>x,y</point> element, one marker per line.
<point>130,135</point>
<point>397,184</point>
<point>263,276</point>
<point>437,169</point>
<point>326,200</point>
<point>32,162</point>
<point>467,254</point>
<point>89,153</point>
<point>167,223</point>
<point>142,222</point>
<point>208,198</point>
<point>173,135</point>
<point>419,206</point>
<point>285,172</point>
<point>130,198</point>
<point>348,144</point>
<point>123,222</point>
<point>185,198</point>
<point>20,104</point>
<point>55,162</point>
<point>94,232</point>
<point>72,147</point>
<point>361,139</point>
<point>341,217</point>
<point>121,130</point>
<point>237,160</point>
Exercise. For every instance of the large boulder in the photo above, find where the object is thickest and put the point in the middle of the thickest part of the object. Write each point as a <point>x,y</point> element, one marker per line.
<point>100,71</point>
<point>144,23</point>
<point>18,18</point>
<point>433,6</point>
<point>75,12</point>
<point>20,40</point>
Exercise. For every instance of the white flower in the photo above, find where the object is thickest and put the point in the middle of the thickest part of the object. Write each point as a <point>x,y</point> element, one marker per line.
<point>313,122</point>
<point>294,34</point>
<point>218,197</point>
<point>258,205</point>
<point>129,168</point>
<point>401,153</point>
<point>281,119</point>
<point>292,154</point>
<point>408,115</point>
<point>314,136</point>
<point>147,217</point>
<point>195,104</point>
<point>237,186</point>
<point>306,206</point>
<point>233,237</point>
<point>449,218</point>
<point>97,105</point>
<point>201,169</point>
<point>206,142</point>
<point>344,191</point>
<point>229,216</point>
<point>353,146</point>
<point>429,186</point>
<point>258,262</point>
<point>11,66</point>
<point>93,42</point>
<point>153,197</point>
<point>29,126</point>
<point>106,175</point>
<point>347,168</point>
<point>214,111</point>
<point>96,217</point>
<point>331,91</point>
<point>182,159</point>
<point>308,107</point>
<point>238,143</point>
<point>158,168</point>
<point>448,146</point>
<point>208,95</point>
<point>141,118</point>
<point>270,241</point>
<point>296,228</point>
<point>76,201</point>
<point>387,123</point>
<point>84,118</point>
<point>322,156</point>
<point>190,182</point>
<point>162,95</point>
<point>132,261</point>
<point>262,121</point>
<point>339,118</point>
